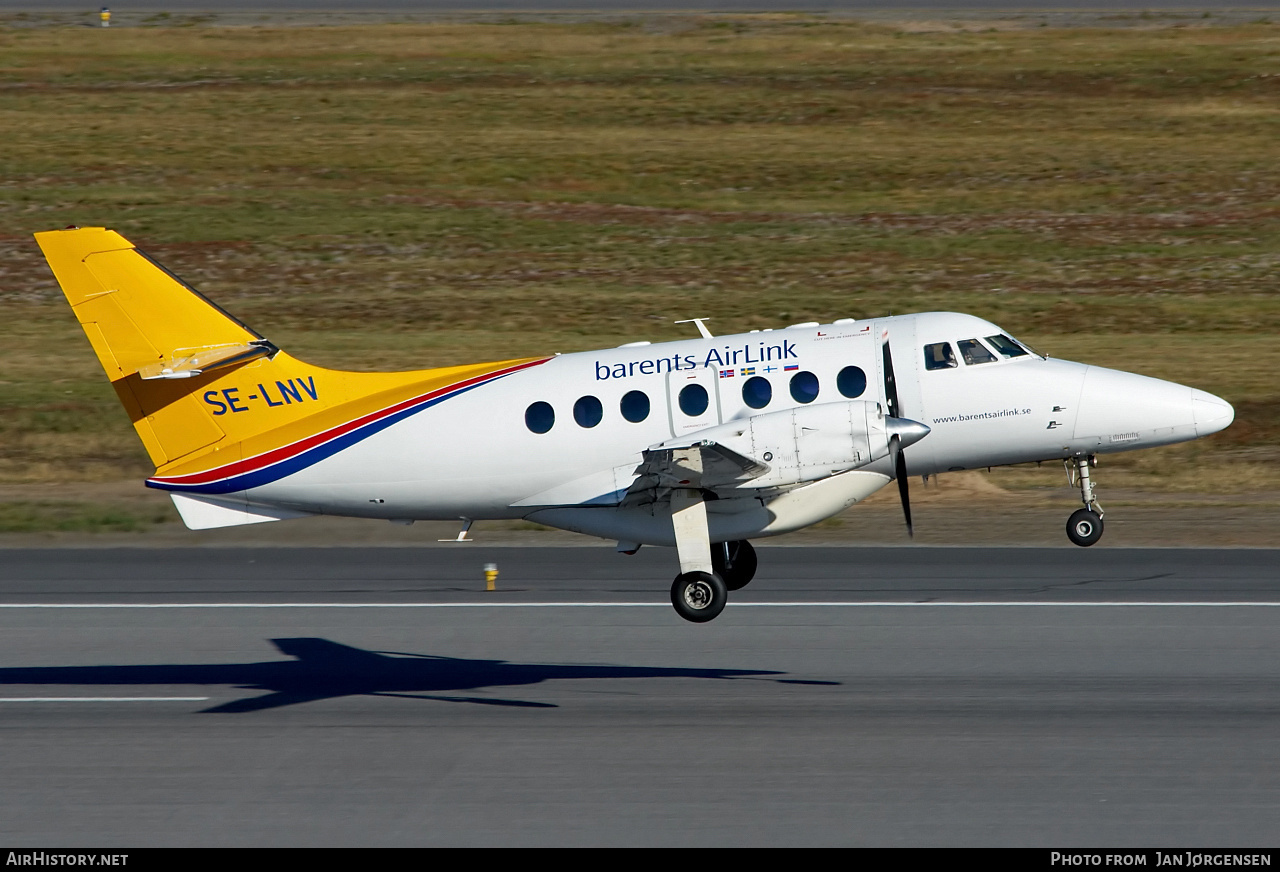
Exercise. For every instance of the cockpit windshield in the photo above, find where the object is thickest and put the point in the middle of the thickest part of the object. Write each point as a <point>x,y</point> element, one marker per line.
<point>974,352</point>
<point>1010,347</point>
<point>939,356</point>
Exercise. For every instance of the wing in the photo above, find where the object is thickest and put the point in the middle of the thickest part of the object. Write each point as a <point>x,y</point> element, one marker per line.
<point>794,446</point>
<point>705,464</point>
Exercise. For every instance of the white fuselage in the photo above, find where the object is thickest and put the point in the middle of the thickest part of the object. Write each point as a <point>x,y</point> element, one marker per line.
<point>477,456</point>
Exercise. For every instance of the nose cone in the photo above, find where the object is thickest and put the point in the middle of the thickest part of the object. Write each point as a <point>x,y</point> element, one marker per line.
<point>908,432</point>
<point>1120,411</point>
<point>1122,407</point>
<point>1211,413</point>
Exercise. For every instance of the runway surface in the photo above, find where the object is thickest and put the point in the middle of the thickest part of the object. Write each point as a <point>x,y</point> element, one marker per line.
<point>853,696</point>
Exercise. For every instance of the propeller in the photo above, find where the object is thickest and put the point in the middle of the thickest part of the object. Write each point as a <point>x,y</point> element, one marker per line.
<point>900,473</point>
<point>904,432</point>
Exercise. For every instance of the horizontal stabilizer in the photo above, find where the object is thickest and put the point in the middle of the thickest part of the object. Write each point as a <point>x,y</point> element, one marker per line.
<point>205,513</point>
<point>190,363</point>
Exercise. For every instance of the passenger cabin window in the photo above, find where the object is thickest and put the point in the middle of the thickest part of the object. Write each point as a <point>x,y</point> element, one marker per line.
<point>939,356</point>
<point>974,352</point>
<point>693,400</point>
<point>851,382</point>
<point>634,406</point>
<point>804,387</point>
<point>1006,346</point>
<point>757,392</point>
<point>540,417</point>
<point>588,411</point>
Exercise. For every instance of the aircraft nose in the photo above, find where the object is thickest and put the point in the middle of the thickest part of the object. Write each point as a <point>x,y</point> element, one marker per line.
<point>1122,410</point>
<point>1211,413</point>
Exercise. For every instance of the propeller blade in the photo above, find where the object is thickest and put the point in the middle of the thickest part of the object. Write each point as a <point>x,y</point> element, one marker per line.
<point>900,473</point>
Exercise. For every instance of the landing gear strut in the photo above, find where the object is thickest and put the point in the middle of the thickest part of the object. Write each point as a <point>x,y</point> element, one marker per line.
<point>1084,527</point>
<point>698,593</point>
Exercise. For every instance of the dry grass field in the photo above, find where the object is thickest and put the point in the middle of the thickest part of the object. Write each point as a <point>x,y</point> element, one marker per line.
<point>409,195</point>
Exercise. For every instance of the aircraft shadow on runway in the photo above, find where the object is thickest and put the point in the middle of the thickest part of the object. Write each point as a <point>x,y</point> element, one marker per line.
<point>323,669</point>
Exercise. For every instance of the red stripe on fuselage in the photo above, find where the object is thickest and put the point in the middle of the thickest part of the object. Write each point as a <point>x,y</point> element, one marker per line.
<point>284,453</point>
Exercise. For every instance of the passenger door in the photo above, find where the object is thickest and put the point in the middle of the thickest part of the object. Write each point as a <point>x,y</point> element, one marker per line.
<point>695,385</point>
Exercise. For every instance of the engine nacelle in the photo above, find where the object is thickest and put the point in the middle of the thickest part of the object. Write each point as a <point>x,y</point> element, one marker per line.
<point>808,442</point>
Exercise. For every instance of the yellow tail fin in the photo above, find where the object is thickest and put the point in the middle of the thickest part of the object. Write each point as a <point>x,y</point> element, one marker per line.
<point>204,391</point>
<point>140,318</point>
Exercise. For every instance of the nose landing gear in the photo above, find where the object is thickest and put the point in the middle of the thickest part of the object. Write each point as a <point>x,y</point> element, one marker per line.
<point>1084,527</point>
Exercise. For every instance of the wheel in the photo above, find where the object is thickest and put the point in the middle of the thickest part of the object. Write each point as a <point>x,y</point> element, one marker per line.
<point>1084,527</point>
<point>740,569</point>
<point>699,596</point>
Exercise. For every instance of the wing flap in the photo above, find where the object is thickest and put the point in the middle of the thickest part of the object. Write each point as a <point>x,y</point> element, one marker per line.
<point>705,464</point>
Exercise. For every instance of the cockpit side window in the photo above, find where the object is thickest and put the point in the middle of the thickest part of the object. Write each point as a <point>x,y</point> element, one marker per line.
<point>1006,346</point>
<point>939,356</point>
<point>974,352</point>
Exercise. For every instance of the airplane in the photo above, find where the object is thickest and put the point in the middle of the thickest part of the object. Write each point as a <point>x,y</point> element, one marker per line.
<point>702,444</point>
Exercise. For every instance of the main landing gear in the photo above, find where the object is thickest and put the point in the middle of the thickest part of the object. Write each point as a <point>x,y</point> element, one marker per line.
<point>735,562</point>
<point>707,572</point>
<point>1084,527</point>
<point>700,596</point>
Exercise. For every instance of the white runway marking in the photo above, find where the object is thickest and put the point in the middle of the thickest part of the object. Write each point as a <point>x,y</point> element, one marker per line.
<point>103,698</point>
<point>658,605</point>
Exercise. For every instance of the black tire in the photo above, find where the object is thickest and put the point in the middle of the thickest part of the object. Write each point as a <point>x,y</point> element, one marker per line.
<point>738,573</point>
<point>699,596</point>
<point>1084,527</point>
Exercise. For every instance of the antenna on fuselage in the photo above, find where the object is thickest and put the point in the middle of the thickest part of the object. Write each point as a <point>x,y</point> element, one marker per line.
<point>702,328</point>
